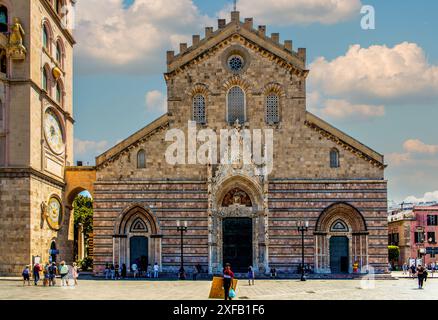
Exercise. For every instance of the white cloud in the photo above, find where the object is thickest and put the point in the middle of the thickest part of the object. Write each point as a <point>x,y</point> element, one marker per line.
<point>417,154</point>
<point>134,39</point>
<point>377,73</point>
<point>397,159</point>
<point>428,197</point>
<point>342,110</point>
<point>418,146</point>
<point>89,148</point>
<point>156,101</point>
<point>339,109</point>
<point>292,12</point>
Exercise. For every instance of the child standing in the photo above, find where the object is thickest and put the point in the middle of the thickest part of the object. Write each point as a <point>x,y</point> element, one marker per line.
<point>26,275</point>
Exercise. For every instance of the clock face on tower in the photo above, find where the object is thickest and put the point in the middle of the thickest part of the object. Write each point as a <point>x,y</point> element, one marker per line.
<point>53,132</point>
<point>54,213</point>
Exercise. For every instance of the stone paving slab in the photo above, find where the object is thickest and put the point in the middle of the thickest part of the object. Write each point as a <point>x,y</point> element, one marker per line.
<point>403,289</point>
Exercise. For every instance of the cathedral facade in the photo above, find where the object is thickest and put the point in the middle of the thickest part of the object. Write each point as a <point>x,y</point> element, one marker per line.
<point>237,74</point>
<point>36,131</point>
<point>235,78</point>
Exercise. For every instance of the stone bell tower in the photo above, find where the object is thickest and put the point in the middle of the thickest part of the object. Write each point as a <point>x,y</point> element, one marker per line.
<point>36,131</point>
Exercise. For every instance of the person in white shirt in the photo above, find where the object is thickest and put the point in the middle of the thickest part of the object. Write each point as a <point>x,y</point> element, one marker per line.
<point>156,270</point>
<point>134,269</point>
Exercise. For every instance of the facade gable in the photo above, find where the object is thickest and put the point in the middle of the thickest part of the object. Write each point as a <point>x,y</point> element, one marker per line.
<point>248,36</point>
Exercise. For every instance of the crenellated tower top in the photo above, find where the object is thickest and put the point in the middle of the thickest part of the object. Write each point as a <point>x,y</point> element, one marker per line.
<point>248,35</point>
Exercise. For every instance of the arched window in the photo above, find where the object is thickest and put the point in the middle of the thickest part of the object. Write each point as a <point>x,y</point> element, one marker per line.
<point>236,105</point>
<point>141,159</point>
<point>334,158</point>
<point>59,53</point>
<point>3,19</point>
<point>58,7</point>
<point>199,109</point>
<point>59,93</point>
<point>3,61</point>
<point>46,38</point>
<point>272,108</point>
<point>45,81</point>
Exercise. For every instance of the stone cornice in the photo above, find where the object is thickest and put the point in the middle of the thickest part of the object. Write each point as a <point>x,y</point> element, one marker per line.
<point>345,141</point>
<point>43,94</point>
<point>11,172</point>
<point>326,181</point>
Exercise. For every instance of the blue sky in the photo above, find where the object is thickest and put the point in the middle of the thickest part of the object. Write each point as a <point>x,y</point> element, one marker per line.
<point>111,101</point>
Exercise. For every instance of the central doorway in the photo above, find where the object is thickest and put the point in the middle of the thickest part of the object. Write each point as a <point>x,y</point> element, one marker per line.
<point>138,249</point>
<point>339,255</point>
<point>237,243</point>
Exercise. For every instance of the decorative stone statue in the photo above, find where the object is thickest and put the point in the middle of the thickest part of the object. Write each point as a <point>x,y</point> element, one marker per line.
<point>16,49</point>
<point>44,210</point>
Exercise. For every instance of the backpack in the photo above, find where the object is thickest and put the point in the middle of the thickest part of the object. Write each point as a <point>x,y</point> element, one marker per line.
<point>64,270</point>
<point>25,272</point>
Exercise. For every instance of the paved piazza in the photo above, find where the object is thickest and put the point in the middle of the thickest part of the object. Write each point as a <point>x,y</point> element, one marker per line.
<point>402,289</point>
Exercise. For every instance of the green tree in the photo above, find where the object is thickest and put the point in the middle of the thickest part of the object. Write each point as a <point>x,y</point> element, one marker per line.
<point>83,213</point>
<point>393,254</point>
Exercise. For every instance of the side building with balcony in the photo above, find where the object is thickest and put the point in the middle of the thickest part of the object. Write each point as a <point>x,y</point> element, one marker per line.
<point>415,232</point>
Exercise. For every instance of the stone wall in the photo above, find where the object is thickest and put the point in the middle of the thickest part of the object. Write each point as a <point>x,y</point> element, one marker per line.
<point>15,226</point>
<point>168,201</point>
<point>289,202</point>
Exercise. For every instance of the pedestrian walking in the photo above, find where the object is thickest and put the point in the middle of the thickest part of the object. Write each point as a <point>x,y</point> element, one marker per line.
<point>52,274</point>
<point>107,271</point>
<point>405,268</point>
<point>413,270</point>
<point>134,269</point>
<point>356,267</point>
<point>273,273</point>
<point>36,273</point>
<point>421,276</point>
<point>63,271</point>
<point>46,276</point>
<point>156,270</point>
<point>228,280</point>
<point>123,272</point>
<point>26,275</point>
<point>195,273</point>
<point>112,271</point>
<point>75,273</point>
<point>251,275</point>
<point>117,272</point>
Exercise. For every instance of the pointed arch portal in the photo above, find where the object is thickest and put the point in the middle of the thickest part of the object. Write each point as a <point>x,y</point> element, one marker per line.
<point>136,237</point>
<point>341,240</point>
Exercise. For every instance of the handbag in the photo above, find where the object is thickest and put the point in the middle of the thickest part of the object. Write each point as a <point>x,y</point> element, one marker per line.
<point>232,293</point>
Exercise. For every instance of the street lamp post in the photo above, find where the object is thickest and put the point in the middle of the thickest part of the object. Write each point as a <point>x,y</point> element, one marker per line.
<point>182,229</point>
<point>302,227</point>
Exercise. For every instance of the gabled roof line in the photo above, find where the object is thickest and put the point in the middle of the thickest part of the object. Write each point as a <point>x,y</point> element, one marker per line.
<point>128,143</point>
<point>344,140</point>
